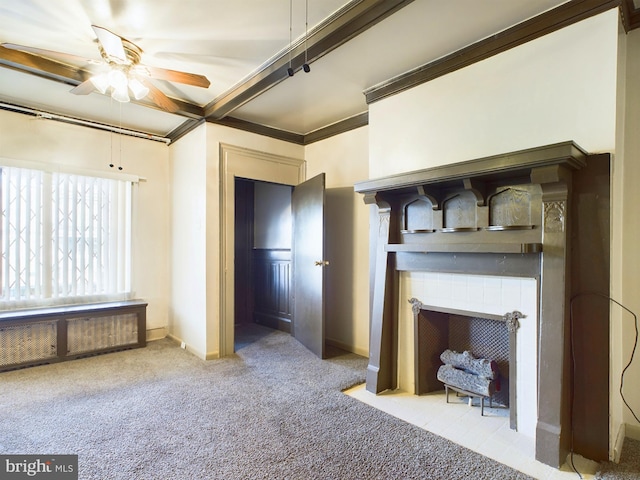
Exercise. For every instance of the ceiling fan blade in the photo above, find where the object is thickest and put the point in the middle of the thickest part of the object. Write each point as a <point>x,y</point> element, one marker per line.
<point>177,76</point>
<point>38,65</point>
<point>85,88</point>
<point>159,98</point>
<point>111,44</point>
<point>64,57</point>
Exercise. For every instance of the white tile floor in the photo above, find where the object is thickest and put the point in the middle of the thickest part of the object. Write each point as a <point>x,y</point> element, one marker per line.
<point>488,435</point>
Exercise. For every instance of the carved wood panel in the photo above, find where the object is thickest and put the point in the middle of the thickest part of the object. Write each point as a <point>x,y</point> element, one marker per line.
<point>418,216</point>
<point>510,207</point>
<point>272,288</point>
<point>460,211</point>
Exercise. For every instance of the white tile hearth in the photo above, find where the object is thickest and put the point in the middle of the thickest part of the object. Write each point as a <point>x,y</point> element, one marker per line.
<point>457,421</point>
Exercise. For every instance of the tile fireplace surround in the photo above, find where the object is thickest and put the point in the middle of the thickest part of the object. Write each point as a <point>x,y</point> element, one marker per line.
<point>540,214</point>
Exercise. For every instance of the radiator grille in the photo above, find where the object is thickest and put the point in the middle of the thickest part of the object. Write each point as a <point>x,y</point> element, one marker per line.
<point>90,334</point>
<point>485,338</point>
<point>28,342</point>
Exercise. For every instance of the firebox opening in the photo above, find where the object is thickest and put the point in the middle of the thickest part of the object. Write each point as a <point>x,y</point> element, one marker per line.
<point>450,348</point>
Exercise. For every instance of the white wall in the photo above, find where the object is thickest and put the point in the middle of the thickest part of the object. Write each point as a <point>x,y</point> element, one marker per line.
<point>188,252</point>
<point>344,159</point>
<point>556,88</point>
<point>28,138</point>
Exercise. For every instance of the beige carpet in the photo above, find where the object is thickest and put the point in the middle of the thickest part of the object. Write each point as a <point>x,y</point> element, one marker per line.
<point>272,411</point>
<point>629,466</point>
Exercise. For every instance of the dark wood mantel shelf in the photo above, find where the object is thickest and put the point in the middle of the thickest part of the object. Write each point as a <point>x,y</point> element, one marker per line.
<point>466,248</point>
<point>514,164</point>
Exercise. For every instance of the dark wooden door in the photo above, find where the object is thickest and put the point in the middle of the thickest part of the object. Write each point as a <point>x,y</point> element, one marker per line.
<point>307,206</point>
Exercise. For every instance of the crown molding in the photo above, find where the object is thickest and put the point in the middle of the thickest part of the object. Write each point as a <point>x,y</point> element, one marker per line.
<point>351,123</point>
<point>343,126</point>
<point>184,128</point>
<point>551,21</point>
<point>630,15</point>
<point>259,129</point>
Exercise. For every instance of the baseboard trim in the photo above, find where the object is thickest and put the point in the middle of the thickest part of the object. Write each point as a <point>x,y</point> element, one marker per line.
<point>625,431</point>
<point>192,350</point>
<point>632,431</point>
<point>619,442</point>
<point>348,348</point>
<point>156,333</point>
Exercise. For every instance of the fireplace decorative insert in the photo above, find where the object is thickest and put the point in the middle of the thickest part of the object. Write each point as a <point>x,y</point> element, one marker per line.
<point>470,376</point>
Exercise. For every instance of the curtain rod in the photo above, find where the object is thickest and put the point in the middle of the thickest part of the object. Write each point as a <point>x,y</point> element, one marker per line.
<point>85,123</point>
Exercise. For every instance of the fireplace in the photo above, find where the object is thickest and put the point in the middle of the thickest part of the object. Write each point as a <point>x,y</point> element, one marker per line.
<point>540,214</point>
<point>461,335</point>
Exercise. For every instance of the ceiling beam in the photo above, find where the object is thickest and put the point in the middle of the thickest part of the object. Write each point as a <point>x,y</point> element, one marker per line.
<point>322,40</point>
<point>357,17</point>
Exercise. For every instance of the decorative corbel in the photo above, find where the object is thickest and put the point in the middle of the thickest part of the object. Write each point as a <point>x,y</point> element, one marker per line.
<point>477,187</point>
<point>422,192</point>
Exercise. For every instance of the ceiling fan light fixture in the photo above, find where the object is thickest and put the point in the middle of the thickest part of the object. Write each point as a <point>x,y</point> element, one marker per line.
<point>119,83</point>
<point>138,89</point>
<point>120,94</point>
<point>100,82</point>
<point>118,79</point>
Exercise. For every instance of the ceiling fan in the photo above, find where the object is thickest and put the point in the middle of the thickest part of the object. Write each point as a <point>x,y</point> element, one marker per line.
<point>124,74</point>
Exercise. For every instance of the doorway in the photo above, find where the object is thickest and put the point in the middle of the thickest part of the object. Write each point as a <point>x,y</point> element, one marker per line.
<point>253,165</point>
<point>262,260</point>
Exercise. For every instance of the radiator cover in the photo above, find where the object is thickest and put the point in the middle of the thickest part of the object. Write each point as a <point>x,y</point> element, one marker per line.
<point>39,336</point>
<point>26,343</point>
<point>89,334</point>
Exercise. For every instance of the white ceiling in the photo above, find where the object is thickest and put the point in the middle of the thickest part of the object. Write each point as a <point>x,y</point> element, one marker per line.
<point>231,42</point>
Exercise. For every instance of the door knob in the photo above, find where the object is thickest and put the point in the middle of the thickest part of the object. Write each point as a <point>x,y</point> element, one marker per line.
<point>322,263</point>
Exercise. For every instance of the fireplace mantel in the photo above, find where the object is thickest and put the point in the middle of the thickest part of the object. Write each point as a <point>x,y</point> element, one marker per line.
<point>514,165</point>
<point>512,215</point>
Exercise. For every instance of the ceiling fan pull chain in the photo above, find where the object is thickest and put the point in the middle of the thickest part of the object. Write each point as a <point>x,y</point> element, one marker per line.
<point>120,138</point>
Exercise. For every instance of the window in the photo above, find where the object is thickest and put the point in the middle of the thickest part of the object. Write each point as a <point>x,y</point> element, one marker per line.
<point>65,238</point>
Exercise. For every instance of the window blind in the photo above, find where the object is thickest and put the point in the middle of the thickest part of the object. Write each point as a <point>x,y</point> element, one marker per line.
<point>66,238</point>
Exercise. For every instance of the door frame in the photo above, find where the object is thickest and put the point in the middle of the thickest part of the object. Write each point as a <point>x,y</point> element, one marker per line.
<point>253,165</point>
